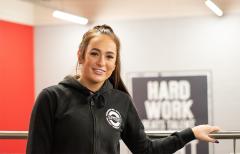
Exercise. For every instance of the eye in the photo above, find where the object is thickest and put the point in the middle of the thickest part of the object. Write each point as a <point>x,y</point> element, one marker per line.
<point>110,56</point>
<point>94,53</point>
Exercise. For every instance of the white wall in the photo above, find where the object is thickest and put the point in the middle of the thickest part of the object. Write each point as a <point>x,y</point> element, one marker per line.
<point>55,53</point>
<point>178,44</point>
<point>17,11</point>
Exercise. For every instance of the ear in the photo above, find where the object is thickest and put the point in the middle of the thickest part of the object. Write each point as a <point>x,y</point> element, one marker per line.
<point>80,59</point>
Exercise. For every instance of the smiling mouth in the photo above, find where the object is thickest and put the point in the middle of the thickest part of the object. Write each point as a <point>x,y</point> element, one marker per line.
<point>99,71</point>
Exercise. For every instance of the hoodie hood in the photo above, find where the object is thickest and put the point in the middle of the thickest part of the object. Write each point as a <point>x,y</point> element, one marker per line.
<point>97,97</point>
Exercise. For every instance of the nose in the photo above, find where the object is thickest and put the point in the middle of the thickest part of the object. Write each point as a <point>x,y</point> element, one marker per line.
<point>101,61</point>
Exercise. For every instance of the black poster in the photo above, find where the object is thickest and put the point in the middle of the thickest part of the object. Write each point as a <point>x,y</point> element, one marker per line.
<point>172,103</point>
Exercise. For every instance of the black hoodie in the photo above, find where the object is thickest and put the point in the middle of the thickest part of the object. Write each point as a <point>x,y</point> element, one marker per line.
<point>70,119</point>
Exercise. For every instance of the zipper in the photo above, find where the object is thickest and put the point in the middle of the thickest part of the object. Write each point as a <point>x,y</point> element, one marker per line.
<point>94,126</point>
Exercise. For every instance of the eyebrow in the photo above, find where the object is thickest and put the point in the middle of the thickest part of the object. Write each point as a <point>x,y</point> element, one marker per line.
<point>108,52</point>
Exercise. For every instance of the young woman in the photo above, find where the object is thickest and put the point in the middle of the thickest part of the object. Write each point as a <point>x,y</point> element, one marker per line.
<point>90,112</point>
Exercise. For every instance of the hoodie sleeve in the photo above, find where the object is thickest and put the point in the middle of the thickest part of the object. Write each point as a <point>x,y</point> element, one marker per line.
<point>139,143</point>
<point>41,125</point>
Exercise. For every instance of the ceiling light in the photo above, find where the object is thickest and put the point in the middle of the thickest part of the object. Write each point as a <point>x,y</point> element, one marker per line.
<point>214,7</point>
<point>70,17</point>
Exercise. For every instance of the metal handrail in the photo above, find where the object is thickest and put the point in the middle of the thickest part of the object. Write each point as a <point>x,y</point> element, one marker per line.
<point>13,134</point>
<point>151,134</point>
<point>216,135</point>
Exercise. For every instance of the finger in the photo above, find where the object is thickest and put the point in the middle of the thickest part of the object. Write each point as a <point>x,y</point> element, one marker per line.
<point>215,129</point>
<point>209,139</point>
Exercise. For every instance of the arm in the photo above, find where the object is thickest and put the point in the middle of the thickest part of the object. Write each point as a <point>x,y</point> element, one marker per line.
<point>41,125</point>
<point>137,141</point>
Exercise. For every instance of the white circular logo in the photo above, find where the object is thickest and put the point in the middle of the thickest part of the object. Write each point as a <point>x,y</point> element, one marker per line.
<point>114,118</point>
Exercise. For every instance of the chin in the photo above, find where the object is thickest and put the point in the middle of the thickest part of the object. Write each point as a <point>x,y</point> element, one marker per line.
<point>99,79</point>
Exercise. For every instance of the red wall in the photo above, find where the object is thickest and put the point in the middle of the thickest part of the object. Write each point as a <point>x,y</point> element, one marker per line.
<point>16,82</point>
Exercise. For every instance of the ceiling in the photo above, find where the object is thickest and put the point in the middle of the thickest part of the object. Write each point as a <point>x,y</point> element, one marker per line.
<point>127,9</point>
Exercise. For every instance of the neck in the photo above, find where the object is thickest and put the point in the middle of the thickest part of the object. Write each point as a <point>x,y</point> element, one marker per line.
<point>90,85</point>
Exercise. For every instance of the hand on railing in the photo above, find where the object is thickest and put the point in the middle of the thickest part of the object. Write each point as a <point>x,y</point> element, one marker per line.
<point>202,132</point>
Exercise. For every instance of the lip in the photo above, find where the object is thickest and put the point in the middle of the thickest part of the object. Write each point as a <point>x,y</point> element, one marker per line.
<point>99,71</point>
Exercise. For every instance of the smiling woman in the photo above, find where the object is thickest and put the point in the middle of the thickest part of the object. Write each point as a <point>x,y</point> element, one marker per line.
<point>91,111</point>
<point>98,63</point>
<point>102,41</point>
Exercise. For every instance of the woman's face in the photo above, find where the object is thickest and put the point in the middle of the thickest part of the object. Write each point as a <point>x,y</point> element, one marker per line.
<point>99,61</point>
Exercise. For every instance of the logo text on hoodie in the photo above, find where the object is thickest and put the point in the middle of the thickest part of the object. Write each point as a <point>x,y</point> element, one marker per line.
<point>114,118</point>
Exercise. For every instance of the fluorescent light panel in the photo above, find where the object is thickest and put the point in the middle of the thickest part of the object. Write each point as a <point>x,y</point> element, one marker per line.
<point>70,17</point>
<point>214,7</point>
